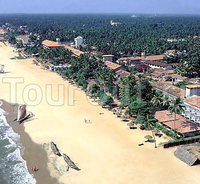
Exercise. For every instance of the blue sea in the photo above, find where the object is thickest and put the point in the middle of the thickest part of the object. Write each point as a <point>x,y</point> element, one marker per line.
<point>13,168</point>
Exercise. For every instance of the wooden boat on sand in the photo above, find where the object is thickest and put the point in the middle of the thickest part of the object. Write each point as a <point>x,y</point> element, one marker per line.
<point>55,149</point>
<point>70,163</point>
<point>22,114</point>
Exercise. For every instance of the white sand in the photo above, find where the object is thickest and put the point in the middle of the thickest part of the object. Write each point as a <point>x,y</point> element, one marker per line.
<point>106,150</point>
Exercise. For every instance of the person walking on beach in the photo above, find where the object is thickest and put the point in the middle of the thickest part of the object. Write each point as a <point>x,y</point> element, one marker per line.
<point>34,169</point>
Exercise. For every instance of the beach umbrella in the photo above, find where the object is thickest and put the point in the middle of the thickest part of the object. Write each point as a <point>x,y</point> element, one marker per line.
<point>123,118</point>
<point>131,123</point>
<point>118,114</point>
<point>148,137</point>
<point>156,131</point>
<point>127,116</point>
<point>114,111</point>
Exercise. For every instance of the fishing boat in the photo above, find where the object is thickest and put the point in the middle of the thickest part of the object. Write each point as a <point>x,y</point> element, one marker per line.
<point>55,149</point>
<point>22,114</point>
<point>69,162</point>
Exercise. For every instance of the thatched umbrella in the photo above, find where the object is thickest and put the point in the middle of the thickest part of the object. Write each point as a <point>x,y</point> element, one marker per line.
<point>131,124</point>
<point>148,137</point>
<point>118,114</point>
<point>114,111</point>
<point>156,131</point>
<point>123,118</point>
<point>127,116</point>
<point>99,102</point>
<point>120,110</point>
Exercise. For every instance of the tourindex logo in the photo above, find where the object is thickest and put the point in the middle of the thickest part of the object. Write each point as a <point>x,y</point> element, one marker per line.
<point>33,94</point>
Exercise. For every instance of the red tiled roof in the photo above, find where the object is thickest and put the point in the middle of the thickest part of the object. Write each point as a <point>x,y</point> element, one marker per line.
<point>194,100</point>
<point>190,86</point>
<point>181,124</point>
<point>23,37</point>
<point>157,73</point>
<point>109,55</point>
<point>183,78</point>
<point>122,73</point>
<point>170,51</point>
<point>157,63</point>
<point>112,65</point>
<point>174,75</point>
<point>49,43</point>
<point>153,58</point>
<point>75,51</point>
<point>147,58</point>
<point>130,58</point>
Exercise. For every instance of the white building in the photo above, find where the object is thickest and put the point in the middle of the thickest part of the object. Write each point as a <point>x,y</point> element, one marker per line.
<point>159,65</point>
<point>24,39</point>
<point>108,58</point>
<point>192,90</point>
<point>78,41</point>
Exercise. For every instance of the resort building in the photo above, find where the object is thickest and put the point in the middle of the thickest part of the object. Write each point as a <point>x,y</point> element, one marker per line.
<point>182,125</point>
<point>132,61</point>
<point>139,60</point>
<point>114,66</point>
<point>121,74</point>
<point>108,58</point>
<point>152,58</point>
<point>192,90</point>
<point>155,64</point>
<point>78,41</point>
<point>24,39</point>
<point>48,44</point>
<point>158,74</point>
<point>76,52</point>
<point>2,32</point>
<point>170,52</point>
<point>114,23</point>
<point>192,108</point>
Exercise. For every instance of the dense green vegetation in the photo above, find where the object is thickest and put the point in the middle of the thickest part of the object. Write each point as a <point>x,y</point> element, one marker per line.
<point>149,34</point>
<point>134,35</point>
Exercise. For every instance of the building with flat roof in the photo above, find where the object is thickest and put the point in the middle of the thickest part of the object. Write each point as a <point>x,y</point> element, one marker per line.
<point>48,44</point>
<point>78,41</point>
<point>192,89</point>
<point>108,57</point>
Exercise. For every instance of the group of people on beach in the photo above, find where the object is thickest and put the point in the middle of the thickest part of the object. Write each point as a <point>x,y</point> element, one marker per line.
<point>87,121</point>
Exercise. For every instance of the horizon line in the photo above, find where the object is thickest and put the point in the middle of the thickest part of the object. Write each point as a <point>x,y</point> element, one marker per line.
<point>54,13</point>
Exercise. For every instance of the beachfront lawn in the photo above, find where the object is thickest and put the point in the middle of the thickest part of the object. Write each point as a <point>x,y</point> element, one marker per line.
<point>17,57</point>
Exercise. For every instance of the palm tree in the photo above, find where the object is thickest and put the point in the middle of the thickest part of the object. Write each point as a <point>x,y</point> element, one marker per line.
<point>150,124</point>
<point>165,101</point>
<point>176,107</point>
<point>157,99</point>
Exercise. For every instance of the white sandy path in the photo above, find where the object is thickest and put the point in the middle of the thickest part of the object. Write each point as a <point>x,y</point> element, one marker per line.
<point>106,150</point>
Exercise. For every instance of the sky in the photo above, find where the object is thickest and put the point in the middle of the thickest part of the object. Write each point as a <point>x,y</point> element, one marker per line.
<point>101,6</point>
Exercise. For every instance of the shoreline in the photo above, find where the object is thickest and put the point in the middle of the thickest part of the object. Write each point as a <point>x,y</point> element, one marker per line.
<point>33,154</point>
<point>106,150</point>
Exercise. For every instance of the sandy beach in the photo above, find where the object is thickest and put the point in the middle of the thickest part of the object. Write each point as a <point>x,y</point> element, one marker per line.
<point>105,150</point>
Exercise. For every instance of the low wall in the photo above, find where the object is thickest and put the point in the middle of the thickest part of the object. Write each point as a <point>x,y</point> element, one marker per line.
<point>183,142</point>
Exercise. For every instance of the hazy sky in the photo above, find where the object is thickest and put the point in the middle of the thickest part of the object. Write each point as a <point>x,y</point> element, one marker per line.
<point>101,6</point>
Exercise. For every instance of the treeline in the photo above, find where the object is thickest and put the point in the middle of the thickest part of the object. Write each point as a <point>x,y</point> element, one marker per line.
<point>134,35</point>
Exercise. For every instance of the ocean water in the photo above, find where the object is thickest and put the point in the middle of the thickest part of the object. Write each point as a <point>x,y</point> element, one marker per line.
<point>13,168</point>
